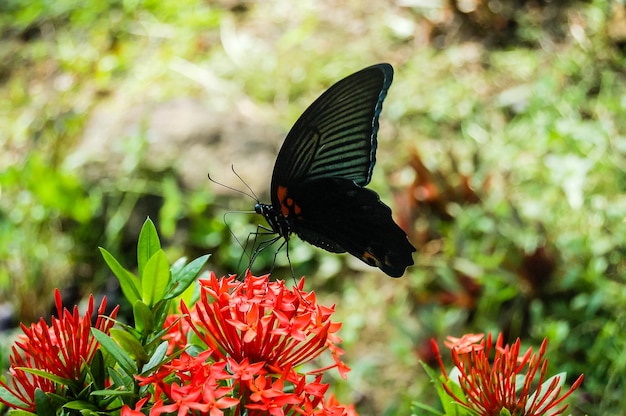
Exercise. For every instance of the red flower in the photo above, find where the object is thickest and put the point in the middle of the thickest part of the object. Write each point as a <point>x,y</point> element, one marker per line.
<point>127,411</point>
<point>177,332</point>
<point>490,387</point>
<point>465,344</point>
<point>257,335</point>
<point>268,396</point>
<point>216,399</point>
<point>60,349</point>
<point>195,387</point>
<point>264,322</point>
<point>259,332</point>
<point>333,408</point>
<point>245,371</point>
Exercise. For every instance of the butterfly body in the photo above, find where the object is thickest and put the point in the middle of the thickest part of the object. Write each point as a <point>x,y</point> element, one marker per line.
<point>326,160</point>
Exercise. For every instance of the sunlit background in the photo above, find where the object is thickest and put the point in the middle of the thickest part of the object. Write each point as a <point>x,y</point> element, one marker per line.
<point>501,152</point>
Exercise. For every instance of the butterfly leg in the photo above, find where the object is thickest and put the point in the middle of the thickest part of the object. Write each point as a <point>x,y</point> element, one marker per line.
<point>257,249</point>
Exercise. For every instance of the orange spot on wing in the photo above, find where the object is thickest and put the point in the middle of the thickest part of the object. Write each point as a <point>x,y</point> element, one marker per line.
<point>370,259</point>
<point>283,200</point>
<point>287,205</point>
<point>282,193</point>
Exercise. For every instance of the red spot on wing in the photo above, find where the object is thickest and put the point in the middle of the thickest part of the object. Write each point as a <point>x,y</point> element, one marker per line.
<point>287,204</point>
<point>283,200</point>
<point>282,193</point>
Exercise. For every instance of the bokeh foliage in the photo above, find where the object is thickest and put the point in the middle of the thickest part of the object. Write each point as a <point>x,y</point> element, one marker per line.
<point>501,151</point>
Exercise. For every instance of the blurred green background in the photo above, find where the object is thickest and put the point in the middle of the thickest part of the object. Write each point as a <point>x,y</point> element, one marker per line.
<point>501,151</point>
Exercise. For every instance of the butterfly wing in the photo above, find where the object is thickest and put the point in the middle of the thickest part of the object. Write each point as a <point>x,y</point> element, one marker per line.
<point>340,216</point>
<point>336,135</point>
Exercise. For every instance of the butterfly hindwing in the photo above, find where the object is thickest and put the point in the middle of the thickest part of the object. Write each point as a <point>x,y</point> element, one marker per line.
<point>338,215</point>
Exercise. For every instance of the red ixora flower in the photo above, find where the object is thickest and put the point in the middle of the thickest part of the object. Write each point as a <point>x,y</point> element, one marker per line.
<point>506,381</point>
<point>60,349</point>
<point>263,321</point>
<point>257,334</point>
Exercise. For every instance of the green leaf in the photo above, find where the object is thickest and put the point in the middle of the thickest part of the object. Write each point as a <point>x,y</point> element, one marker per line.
<point>45,374</point>
<point>429,409</point>
<point>182,280</point>
<point>6,396</point>
<point>130,344</point>
<point>156,337</point>
<point>109,392</point>
<point>79,405</point>
<point>120,380</point>
<point>450,406</point>
<point>147,245</point>
<point>57,399</point>
<point>43,405</point>
<point>144,321</point>
<point>123,359</point>
<point>160,313</point>
<point>17,412</point>
<point>178,266</point>
<point>96,369</point>
<point>130,284</point>
<point>155,278</point>
<point>157,359</point>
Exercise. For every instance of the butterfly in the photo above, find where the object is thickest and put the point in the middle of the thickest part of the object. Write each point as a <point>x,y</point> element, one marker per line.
<point>318,184</point>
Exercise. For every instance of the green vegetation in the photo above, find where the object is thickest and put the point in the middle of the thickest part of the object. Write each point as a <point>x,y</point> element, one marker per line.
<point>501,151</point>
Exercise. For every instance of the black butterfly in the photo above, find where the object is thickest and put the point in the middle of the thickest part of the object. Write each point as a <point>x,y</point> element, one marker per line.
<point>321,170</point>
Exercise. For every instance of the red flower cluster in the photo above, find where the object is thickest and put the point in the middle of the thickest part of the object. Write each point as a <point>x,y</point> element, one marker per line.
<point>61,350</point>
<point>256,337</point>
<point>491,386</point>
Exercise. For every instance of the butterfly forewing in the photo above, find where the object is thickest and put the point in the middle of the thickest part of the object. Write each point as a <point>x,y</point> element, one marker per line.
<point>336,135</point>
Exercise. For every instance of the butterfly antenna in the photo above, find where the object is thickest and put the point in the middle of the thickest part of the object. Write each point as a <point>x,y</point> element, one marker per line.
<point>229,229</point>
<point>253,196</point>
